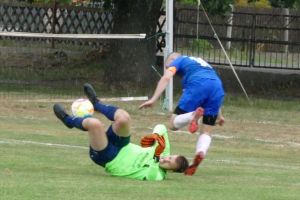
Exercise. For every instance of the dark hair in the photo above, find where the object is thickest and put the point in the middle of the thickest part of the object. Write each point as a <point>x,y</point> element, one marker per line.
<point>183,164</point>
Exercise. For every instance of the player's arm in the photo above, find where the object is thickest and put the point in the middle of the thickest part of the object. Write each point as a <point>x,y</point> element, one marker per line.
<point>161,86</point>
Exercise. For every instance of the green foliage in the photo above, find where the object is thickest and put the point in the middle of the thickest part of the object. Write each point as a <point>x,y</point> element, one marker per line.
<point>253,3</point>
<point>297,4</point>
<point>284,3</point>
<point>188,1</point>
<point>269,3</point>
<point>217,6</point>
<point>213,7</point>
<point>241,3</point>
<point>201,44</point>
<point>262,4</point>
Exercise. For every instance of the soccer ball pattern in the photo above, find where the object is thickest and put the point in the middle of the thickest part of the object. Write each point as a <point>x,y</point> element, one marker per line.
<point>82,108</point>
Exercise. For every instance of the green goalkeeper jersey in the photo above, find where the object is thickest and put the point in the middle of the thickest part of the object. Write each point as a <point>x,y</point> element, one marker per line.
<point>136,162</point>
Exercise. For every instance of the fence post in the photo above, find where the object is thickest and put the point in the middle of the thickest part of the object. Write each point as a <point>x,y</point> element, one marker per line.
<point>286,12</point>
<point>54,21</point>
<point>229,28</point>
<point>252,42</point>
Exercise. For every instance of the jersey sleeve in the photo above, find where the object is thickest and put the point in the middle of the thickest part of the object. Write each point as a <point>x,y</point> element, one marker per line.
<point>175,65</point>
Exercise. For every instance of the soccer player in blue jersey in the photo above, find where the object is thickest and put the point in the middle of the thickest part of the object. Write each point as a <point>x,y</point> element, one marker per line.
<point>112,148</point>
<point>202,96</point>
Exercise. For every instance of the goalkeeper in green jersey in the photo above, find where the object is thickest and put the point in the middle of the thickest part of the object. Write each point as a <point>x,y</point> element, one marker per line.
<point>112,149</point>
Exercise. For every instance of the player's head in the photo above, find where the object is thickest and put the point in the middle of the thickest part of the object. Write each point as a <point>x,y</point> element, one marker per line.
<point>171,57</point>
<point>176,163</point>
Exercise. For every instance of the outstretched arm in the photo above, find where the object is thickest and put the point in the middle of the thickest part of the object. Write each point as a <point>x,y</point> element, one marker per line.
<point>161,86</point>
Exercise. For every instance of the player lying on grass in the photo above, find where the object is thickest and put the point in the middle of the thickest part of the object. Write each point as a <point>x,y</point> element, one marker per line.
<point>113,150</point>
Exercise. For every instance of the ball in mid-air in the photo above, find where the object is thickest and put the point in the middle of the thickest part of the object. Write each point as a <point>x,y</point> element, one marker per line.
<point>82,108</point>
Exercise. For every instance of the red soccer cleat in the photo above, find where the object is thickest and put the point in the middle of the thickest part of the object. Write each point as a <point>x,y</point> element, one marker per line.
<point>190,171</point>
<point>193,126</point>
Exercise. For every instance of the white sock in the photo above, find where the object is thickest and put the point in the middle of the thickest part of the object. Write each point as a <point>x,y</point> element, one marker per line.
<point>182,120</point>
<point>203,143</point>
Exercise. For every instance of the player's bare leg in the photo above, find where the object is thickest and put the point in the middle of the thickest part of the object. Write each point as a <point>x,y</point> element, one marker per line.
<point>97,136</point>
<point>179,121</point>
<point>120,118</point>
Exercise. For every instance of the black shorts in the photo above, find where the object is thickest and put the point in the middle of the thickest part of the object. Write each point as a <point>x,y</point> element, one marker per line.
<point>115,144</point>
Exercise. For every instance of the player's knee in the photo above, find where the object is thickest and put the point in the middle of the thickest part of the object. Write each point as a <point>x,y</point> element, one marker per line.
<point>122,117</point>
<point>172,128</point>
<point>92,123</point>
<point>171,123</point>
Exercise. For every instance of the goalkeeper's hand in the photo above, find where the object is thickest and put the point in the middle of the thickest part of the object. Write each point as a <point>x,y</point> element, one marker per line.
<point>160,147</point>
<point>149,140</point>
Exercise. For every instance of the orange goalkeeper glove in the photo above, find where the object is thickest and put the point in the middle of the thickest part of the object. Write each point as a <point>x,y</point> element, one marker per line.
<point>160,147</point>
<point>149,141</point>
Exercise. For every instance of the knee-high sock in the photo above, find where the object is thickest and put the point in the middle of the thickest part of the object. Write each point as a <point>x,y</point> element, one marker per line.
<point>203,143</point>
<point>182,120</point>
<point>74,122</point>
<point>107,110</point>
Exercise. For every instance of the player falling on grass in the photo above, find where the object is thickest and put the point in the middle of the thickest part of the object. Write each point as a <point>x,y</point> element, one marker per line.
<point>112,149</point>
<point>202,96</point>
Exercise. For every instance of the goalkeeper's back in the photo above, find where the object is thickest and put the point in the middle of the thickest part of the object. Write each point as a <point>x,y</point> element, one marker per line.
<point>136,162</point>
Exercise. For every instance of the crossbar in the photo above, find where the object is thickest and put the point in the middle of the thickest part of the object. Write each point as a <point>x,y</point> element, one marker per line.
<point>73,36</point>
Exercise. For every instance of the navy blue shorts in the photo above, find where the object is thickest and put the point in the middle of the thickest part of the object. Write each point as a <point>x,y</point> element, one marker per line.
<point>115,144</point>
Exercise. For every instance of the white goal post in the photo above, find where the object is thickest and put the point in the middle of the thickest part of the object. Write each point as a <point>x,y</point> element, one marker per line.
<point>73,36</point>
<point>169,49</point>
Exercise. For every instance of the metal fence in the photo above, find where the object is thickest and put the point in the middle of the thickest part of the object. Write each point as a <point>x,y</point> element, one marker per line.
<point>54,18</point>
<point>267,38</point>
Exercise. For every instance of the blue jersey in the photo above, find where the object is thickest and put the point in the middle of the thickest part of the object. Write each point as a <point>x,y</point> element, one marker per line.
<point>202,86</point>
<point>192,69</point>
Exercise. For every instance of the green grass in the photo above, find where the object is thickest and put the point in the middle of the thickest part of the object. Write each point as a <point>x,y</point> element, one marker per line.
<point>254,156</point>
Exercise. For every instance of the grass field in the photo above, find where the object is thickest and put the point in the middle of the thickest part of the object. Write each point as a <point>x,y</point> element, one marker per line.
<point>256,155</point>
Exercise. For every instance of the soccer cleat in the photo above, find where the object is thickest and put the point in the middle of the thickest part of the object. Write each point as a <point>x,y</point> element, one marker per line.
<point>193,126</point>
<point>90,93</point>
<point>193,168</point>
<point>61,114</point>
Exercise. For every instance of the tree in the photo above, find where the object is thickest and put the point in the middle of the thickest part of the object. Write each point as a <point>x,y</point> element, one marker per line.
<point>130,61</point>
